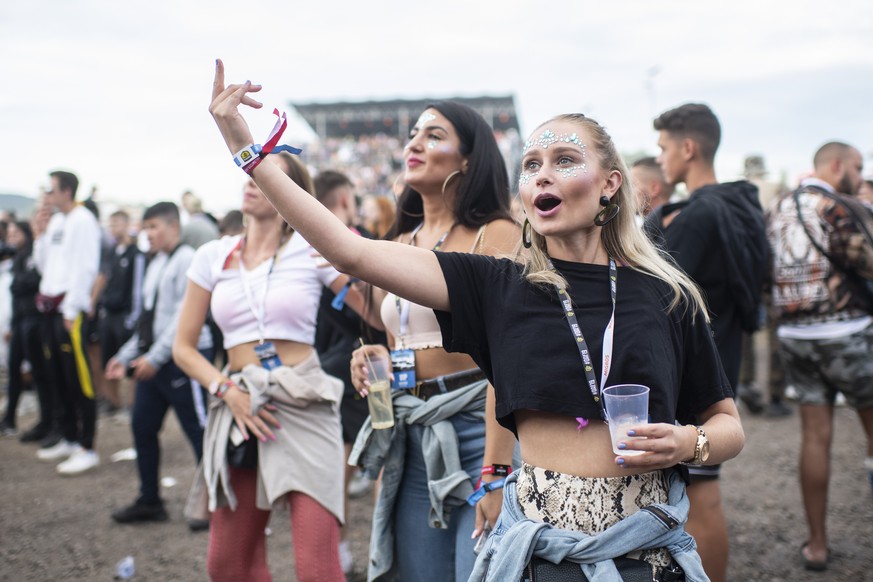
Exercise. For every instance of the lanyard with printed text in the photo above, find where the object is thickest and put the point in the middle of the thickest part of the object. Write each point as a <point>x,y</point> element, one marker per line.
<point>403,305</point>
<point>582,345</point>
<point>259,313</point>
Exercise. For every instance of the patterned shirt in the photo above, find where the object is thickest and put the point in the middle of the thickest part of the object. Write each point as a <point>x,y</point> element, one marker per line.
<point>807,287</point>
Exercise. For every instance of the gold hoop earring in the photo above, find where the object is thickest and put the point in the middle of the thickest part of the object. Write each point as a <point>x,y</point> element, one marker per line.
<point>526,237</point>
<point>449,177</point>
<point>397,191</point>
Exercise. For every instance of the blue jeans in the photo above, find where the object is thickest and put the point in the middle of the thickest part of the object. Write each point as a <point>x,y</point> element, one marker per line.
<point>169,387</point>
<point>423,553</point>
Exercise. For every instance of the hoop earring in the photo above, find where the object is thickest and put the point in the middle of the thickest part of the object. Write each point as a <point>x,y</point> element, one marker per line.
<point>606,215</point>
<point>526,239</point>
<point>397,201</point>
<point>449,177</point>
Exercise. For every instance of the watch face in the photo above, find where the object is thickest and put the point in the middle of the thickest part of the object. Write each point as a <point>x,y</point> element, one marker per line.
<point>704,450</point>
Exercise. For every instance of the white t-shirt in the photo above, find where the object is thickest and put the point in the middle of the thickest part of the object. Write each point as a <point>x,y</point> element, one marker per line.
<point>68,256</point>
<point>293,295</point>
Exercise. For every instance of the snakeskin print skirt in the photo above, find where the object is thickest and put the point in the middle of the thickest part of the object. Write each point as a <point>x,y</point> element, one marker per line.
<point>590,504</point>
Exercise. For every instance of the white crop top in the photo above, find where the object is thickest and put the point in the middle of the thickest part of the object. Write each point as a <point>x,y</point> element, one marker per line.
<point>291,306</point>
<point>423,330</point>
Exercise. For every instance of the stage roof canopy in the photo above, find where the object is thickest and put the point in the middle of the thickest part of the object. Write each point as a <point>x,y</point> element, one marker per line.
<point>395,117</point>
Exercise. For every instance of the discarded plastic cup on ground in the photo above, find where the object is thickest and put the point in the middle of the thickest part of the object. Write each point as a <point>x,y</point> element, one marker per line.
<point>627,405</point>
<point>379,374</point>
<point>125,569</point>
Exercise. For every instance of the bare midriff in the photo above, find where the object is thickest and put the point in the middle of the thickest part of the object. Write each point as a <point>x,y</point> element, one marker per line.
<point>291,353</point>
<point>552,441</point>
<point>434,362</point>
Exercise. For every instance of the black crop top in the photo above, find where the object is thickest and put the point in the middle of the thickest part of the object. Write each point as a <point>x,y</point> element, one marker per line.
<point>518,334</point>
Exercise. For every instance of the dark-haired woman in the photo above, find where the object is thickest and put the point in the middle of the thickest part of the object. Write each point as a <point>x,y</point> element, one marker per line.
<point>456,198</point>
<point>25,343</point>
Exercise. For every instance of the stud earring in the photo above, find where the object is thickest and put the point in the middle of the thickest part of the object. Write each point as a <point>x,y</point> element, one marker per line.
<point>604,200</point>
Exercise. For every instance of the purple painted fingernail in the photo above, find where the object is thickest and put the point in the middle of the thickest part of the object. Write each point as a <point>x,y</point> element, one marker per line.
<point>622,446</point>
<point>620,461</point>
<point>631,433</point>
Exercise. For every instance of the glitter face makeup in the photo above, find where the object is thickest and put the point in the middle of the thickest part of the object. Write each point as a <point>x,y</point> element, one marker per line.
<point>549,138</point>
<point>431,144</point>
<point>425,117</point>
<point>525,177</point>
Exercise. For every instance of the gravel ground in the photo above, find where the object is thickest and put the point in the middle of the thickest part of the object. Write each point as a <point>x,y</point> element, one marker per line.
<point>54,528</point>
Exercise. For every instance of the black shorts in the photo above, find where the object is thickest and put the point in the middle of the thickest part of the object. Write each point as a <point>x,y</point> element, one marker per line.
<point>112,334</point>
<point>91,329</point>
<point>353,412</point>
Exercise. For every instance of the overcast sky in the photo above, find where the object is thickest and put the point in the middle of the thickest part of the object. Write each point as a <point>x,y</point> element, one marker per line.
<point>118,91</point>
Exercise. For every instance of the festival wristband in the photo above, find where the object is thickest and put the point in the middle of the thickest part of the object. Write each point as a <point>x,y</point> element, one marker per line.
<point>247,155</point>
<point>499,470</point>
<point>484,488</point>
<point>250,156</point>
<point>340,298</point>
<point>219,388</point>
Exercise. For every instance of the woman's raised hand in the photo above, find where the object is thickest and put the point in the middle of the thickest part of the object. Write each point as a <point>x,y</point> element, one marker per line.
<point>225,109</point>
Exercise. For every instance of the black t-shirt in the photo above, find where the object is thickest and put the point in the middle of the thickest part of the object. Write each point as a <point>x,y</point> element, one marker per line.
<point>518,334</point>
<point>719,240</point>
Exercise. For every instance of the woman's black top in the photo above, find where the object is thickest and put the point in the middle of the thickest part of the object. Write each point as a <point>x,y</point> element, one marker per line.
<point>518,334</point>
<point>24,285</point>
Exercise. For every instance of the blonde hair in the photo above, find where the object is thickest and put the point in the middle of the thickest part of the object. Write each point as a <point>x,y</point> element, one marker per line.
<point>622,238</point>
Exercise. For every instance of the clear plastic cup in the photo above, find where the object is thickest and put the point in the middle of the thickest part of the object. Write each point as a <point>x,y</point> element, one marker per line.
<point>379,401</point>
<point>627,406</point>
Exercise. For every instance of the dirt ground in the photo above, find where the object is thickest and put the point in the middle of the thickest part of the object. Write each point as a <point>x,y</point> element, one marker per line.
<point>54,528</point>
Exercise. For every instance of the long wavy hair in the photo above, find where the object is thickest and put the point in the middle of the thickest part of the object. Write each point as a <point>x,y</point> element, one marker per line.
<point>483,191</point>
<point>622,237</point>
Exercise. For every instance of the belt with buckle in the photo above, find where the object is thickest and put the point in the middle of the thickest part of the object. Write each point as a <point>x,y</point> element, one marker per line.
<point>447,383</point>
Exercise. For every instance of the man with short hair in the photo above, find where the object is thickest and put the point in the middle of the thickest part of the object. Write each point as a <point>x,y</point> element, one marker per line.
<point>717,237</point>
<point>147,358</point>
<point>821,238</point>
<point>338,331</point>
<point>68,255</point>
<point>649,184</point>
<point>121,302</point>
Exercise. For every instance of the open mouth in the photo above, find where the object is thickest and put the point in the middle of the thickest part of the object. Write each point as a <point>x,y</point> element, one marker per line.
<point>546,202</point>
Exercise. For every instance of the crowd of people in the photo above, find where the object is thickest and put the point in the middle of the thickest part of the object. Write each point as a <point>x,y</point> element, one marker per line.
<point>505,299</point>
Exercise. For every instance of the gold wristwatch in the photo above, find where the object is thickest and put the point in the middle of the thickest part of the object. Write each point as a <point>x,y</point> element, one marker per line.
<point>701,449</point>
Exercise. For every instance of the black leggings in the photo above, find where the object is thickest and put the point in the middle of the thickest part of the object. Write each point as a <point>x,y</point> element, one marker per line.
<point>71,377</point>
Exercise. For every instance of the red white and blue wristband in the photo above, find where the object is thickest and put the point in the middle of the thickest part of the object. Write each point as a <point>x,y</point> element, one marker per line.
<point>252,155</point>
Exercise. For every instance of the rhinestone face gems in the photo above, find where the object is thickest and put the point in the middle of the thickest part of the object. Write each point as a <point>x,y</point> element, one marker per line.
<point>545,140</point>
<point>548,138</point>
<point>571,172</point>
<point>525,177</point>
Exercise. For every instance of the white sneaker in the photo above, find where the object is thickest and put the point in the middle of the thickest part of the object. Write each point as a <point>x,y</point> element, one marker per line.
<point>359,485</point>
<point>345,557</point>
<point>79,462</point>
<point>62,450</point>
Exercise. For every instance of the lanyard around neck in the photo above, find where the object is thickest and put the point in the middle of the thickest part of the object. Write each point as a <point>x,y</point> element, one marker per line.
<point>582,345</point>
<point>259,313</point>
<point>401,304</point>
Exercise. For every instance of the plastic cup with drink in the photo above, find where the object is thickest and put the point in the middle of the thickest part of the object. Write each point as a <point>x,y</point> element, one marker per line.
<point>379,401</point>
<point>627,406</point>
